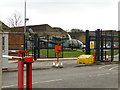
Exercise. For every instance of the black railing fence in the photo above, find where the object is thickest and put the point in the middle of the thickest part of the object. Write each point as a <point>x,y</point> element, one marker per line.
<point>101,39</point>
<point>42,47</point>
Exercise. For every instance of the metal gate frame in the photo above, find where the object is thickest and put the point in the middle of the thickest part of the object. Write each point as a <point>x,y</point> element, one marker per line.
<point>36,47</point>
<point>100,39</point>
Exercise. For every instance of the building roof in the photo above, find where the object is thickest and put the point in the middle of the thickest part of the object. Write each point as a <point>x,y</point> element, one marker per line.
<point>3,26</point>
<point>38,28</point>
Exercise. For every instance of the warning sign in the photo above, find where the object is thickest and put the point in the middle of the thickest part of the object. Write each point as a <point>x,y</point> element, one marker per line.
<point>91,44</point>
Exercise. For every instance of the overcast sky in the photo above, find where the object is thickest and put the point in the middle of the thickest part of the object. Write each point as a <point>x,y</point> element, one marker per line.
<point>67,14</point>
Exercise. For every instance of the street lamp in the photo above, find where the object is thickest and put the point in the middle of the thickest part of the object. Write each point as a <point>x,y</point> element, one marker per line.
<point>25,20</point>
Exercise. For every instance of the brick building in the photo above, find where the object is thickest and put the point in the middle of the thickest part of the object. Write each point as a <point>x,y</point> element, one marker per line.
<point>37,28</point>
<point>4,27</point>
<point>16,41</point>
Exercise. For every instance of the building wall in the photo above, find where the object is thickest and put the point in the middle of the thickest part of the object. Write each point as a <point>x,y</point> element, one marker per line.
<point>0,61</point>
<point>16,41</point>
<point>5,50</point>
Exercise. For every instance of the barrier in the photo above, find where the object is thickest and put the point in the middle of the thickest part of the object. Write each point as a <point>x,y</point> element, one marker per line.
<point>13,50</point>
<point>21,61</point>
<point>85,59</point>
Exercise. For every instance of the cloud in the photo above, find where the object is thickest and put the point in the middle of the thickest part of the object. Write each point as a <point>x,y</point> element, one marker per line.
<point>65,13</point>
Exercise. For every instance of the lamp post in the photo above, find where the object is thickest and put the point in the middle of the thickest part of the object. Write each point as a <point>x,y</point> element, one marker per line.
<point>25,20</point>
<point>119,29</point>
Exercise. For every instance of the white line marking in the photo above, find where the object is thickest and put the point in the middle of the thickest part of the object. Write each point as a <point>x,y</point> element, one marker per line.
<point>90,75</point>
<point>100,74</point>
<point>34,83</point>
<point>107,73</point>
<point>9,86</point>
<point>48,81</point>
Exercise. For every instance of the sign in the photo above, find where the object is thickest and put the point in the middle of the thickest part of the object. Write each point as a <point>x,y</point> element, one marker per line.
<point>58,48</point>
<point>91,44</point>
<point>109,44</point>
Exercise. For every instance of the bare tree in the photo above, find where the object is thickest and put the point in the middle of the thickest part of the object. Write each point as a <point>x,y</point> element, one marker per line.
<point>15,20</point>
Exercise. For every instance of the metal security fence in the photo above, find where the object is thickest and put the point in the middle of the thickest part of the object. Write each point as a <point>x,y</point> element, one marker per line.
<point>42,47</point>
<point>101,39</point>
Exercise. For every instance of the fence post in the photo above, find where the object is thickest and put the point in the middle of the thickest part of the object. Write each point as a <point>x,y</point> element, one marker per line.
<point>105,44</point>
<point>32,46</point>
<point>102,46</point>
<point>98,45</point>
<point>25,43</point>
<point>54,46</point>
<point>38,47</point>
<point>47,46</point>
<point>35,46</point>
<point>62,46</point>
<point>119,44</point>
<point>112,44</point>
<point>87,48</point>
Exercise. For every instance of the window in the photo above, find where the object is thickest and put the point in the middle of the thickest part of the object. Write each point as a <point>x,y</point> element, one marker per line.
<point>3,45</point>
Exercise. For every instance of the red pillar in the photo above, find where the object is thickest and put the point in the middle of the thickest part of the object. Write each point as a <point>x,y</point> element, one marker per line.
<point>20,75</point>
<point>57,57</point>
<point>29,76</point>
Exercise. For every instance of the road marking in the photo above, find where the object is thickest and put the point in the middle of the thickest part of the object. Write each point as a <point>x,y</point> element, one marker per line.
<point>48,81</point>
<point>89,67</point>
<point>103,66</point>
<point>9,86</point>
<point>90,75</point>
<point>33,83</point>
<point>100,74</point>
<point>113,67</point>
<point>107,73</point>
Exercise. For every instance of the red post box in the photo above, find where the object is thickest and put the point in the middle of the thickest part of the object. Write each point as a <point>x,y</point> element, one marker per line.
<point>58,48</point>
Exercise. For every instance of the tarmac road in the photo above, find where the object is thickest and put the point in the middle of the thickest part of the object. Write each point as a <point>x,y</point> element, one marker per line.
<point>72,75</point>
